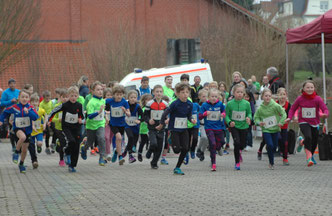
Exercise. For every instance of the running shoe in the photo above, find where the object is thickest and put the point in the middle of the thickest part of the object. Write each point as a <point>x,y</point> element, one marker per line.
<point>285,162</point>
<point>109,157</point>
<point>53,148</point>
<point>309,162</point>
<point>121,160</point>
<point>225,152</point>
<point>39,149</point>
<point>115,156</point>
<point>198,153</point>
<point>271,166</point>
<point>148,154</point>
<point>67,159</point>
<point>178,171</point>
<point>35,165</point>
<point>96,150</point>
<point>139,157</point>
<point>134,149</point>
<point>83,152</point>
<point>202,157</point>
<point>313,160</point>
<point>154,166</point>
<point>62,163</point>
<point>164,161</point>
<point>259,155</point>
<point>186,159</point>
<point>237,166</point>
<point>220,152</point>
<point>132,159</point>
<point>71,169</point>
<point>48,151</point>
<point>22,168</point>
<point>13,149</point>
<point>15,157</point>
<point>300,143</point>
<point>214,168</point>
<point>101,161</point>
<point>192,155</point>
<point>227,146</point>
<point>93,152</point>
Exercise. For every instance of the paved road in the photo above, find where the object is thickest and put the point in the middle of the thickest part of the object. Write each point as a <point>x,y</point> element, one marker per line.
<point>135,189</point>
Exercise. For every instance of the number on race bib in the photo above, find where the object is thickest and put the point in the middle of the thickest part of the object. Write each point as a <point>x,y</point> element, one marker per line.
<point>71,118</point>
<point>100,116</point>
<point>270,122</point>
<point>156,114</point>
<point>309,112</point>
<point>213,116</point>
<point>180,123</point>
<point>22,122</point>
<point>117,112</point>
<point>131,121</point>
<point>238,115</point>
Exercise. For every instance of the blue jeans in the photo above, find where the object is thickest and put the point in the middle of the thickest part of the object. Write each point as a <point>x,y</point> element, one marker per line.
<point>271,140</point>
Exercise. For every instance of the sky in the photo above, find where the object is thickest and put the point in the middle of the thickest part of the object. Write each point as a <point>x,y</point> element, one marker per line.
<point>258,1</point>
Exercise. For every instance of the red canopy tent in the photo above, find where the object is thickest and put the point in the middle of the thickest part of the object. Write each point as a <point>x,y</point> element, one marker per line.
<point>317,31</point>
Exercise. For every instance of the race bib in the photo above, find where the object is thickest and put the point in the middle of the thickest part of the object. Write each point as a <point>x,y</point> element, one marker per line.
<point>213,116</point>
<point>22,122</point>
<point>180,123</point>
<point>131,120</point>
<point>71,118</point>
<point>270,122</point>
<point>99,117</point>
<point>309,112</point>
<point>37,124</point>
<point>238,115</point>
<point>116,112</point>
<point>156,114</point>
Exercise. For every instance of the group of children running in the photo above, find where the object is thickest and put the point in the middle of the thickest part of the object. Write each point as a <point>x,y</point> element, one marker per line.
<point>159,118</point>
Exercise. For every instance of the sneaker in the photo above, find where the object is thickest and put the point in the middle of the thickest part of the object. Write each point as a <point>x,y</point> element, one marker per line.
<point>198,153</point>
<point>96,150</point>
<point>309,162</point>
<point>132,159</point>
<point>134,149</point>
<point>220,152</point>
<point>214,168</point>
<point>53,148</point>
<point>121,160</point>
<point>154,166</point>
<point>101,161</point>
<point>139,157</point>
<point>285,162</point>
<point>39,149</point>
<point>67,159</point>
<point>225,152</point>
<point>35,165</point>
<point>178,171</point>
<point>71,169</point>
<point>48,151</point>
<point>192,155</point>
<point>93,152</point>
<point>313,160</point>
<point>202,157</point>
<point>271,166</point>
<point>259,155</point>
<point>109,157</point>
<point>186,159</point>
<point>300,143</point>
<point>115,156</point>
<point>148,154</point>
<point>83,152</point>
<point>164,161</point>
<point>237,166</point>
<point>15,157</point>
<point>62,163</point>
<point>22,168</point>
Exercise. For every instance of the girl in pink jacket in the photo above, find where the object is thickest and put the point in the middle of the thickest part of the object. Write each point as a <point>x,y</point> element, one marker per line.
<point>309,104</point>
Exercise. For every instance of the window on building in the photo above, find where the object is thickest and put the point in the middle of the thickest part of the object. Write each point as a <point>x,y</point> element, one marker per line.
<point>324,5</point>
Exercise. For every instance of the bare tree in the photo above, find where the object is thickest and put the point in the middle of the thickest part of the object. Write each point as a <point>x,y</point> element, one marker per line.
<point>18,21</point>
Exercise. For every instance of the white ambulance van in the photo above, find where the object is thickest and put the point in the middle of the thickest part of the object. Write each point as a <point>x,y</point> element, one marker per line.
<point>157,75</point>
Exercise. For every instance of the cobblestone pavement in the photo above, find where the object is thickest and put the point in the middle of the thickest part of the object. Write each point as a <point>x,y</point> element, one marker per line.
<point>136,189</point>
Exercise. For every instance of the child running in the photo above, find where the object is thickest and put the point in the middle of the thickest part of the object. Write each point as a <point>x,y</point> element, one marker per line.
<point>95,123</point>
<point>238,117</point>
<point>180,112</point>
<point>24,114</point>
<point>203,141</point>
<point>119,107</point>
<point>38,128</point>
<point>71,119</point>
<point>309,104</point>
<point>270,116</point>
<point>108,133</point>
<point>143,130</point>
<point>212,111</point>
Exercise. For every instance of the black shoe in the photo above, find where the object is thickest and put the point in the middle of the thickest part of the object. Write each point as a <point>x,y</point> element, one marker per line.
<point>259,155</point>
<point>139,157</point>
<point>39,149</point>
<point>202,157</point>
<point>154,166</point>
<point>148,154</point>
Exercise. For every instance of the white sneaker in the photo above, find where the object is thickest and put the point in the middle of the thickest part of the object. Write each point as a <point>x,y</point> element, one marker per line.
<point>109,157</point>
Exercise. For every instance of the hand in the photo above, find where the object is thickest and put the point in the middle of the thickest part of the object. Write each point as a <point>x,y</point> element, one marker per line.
<point>232,124</point>
<point>26,110</point>
<point>208,112</point>
<point>159,127</point>
<point>261,124</point>
<point>1,123</point>
<point>137,121</point>
<point>324,115</point>
<point>287,121</point>
<point>49,124</point>
<point>151,122</point>
<point>14,100</point>
<point>222,115</point>
<point>280,125</point>
<point>167,121</point>
<point>193,121</point>
<point>248,120</point>
<point>80,121</point>
<point>102,107</point>
<point>123,108</point>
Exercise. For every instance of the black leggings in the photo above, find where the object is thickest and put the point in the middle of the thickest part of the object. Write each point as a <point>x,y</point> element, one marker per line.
<point>193,138</point>
<point>132,140</point>
<point>72,137</point>
<point>310,137</point>
<point>239,137</point>
<point>156,145</point>
<point>62,142</point>
<point>48,134</point>
<point>181,139</point>
<point>144,140</point>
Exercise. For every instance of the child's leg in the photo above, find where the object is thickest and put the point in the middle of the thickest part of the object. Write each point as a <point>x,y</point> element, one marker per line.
<point>212,145</point>
<point>25,146</point>
<point>237,143</point>
<point>118,141</point>
<point>203,142</point>
<point>144,140</point>
<point>270,142</point>
<point>249,137</point>
<point>284,143</point>
<point>75,147</point>
<point>130,144</point>
<point>165,151</point>
<point>100,137</point>
<point>183,138</point>
<point>194,139</point>
<point>47,137</point>
<point>220,139</point>
<point>62,141</point>
<point>243,138</point>
<point>159,149</point>
<point>227,135</point>
<point>32,149</point>
<point>261,146</point>
<point>91,138</point>
<point>21,139</point>
<point>314,135</point>
<point>108,139</point>
<point>307,133</point>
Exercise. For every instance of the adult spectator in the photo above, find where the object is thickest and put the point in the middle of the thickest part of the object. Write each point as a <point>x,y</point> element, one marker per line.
<point>83,85</point>
<point>274,80</point>
<point>254,81</point>
<point>265,83</point>
<point>10,95</point>
<point>167,88</point>
<point>237,77</point>
<point>196,88</point>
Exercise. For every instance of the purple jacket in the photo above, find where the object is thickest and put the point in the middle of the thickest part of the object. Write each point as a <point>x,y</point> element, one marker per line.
<point>308,109</point>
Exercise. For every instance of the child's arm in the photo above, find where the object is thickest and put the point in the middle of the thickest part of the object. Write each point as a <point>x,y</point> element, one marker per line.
<point>140,114</point>
<point>5,114</point>
<point>293,109</point>
<point>323,107</point>
<point>283,115</point>
<point>55,111</point>
<point>228,113</point>
<point>32,113</point>
<point>202,112</point>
